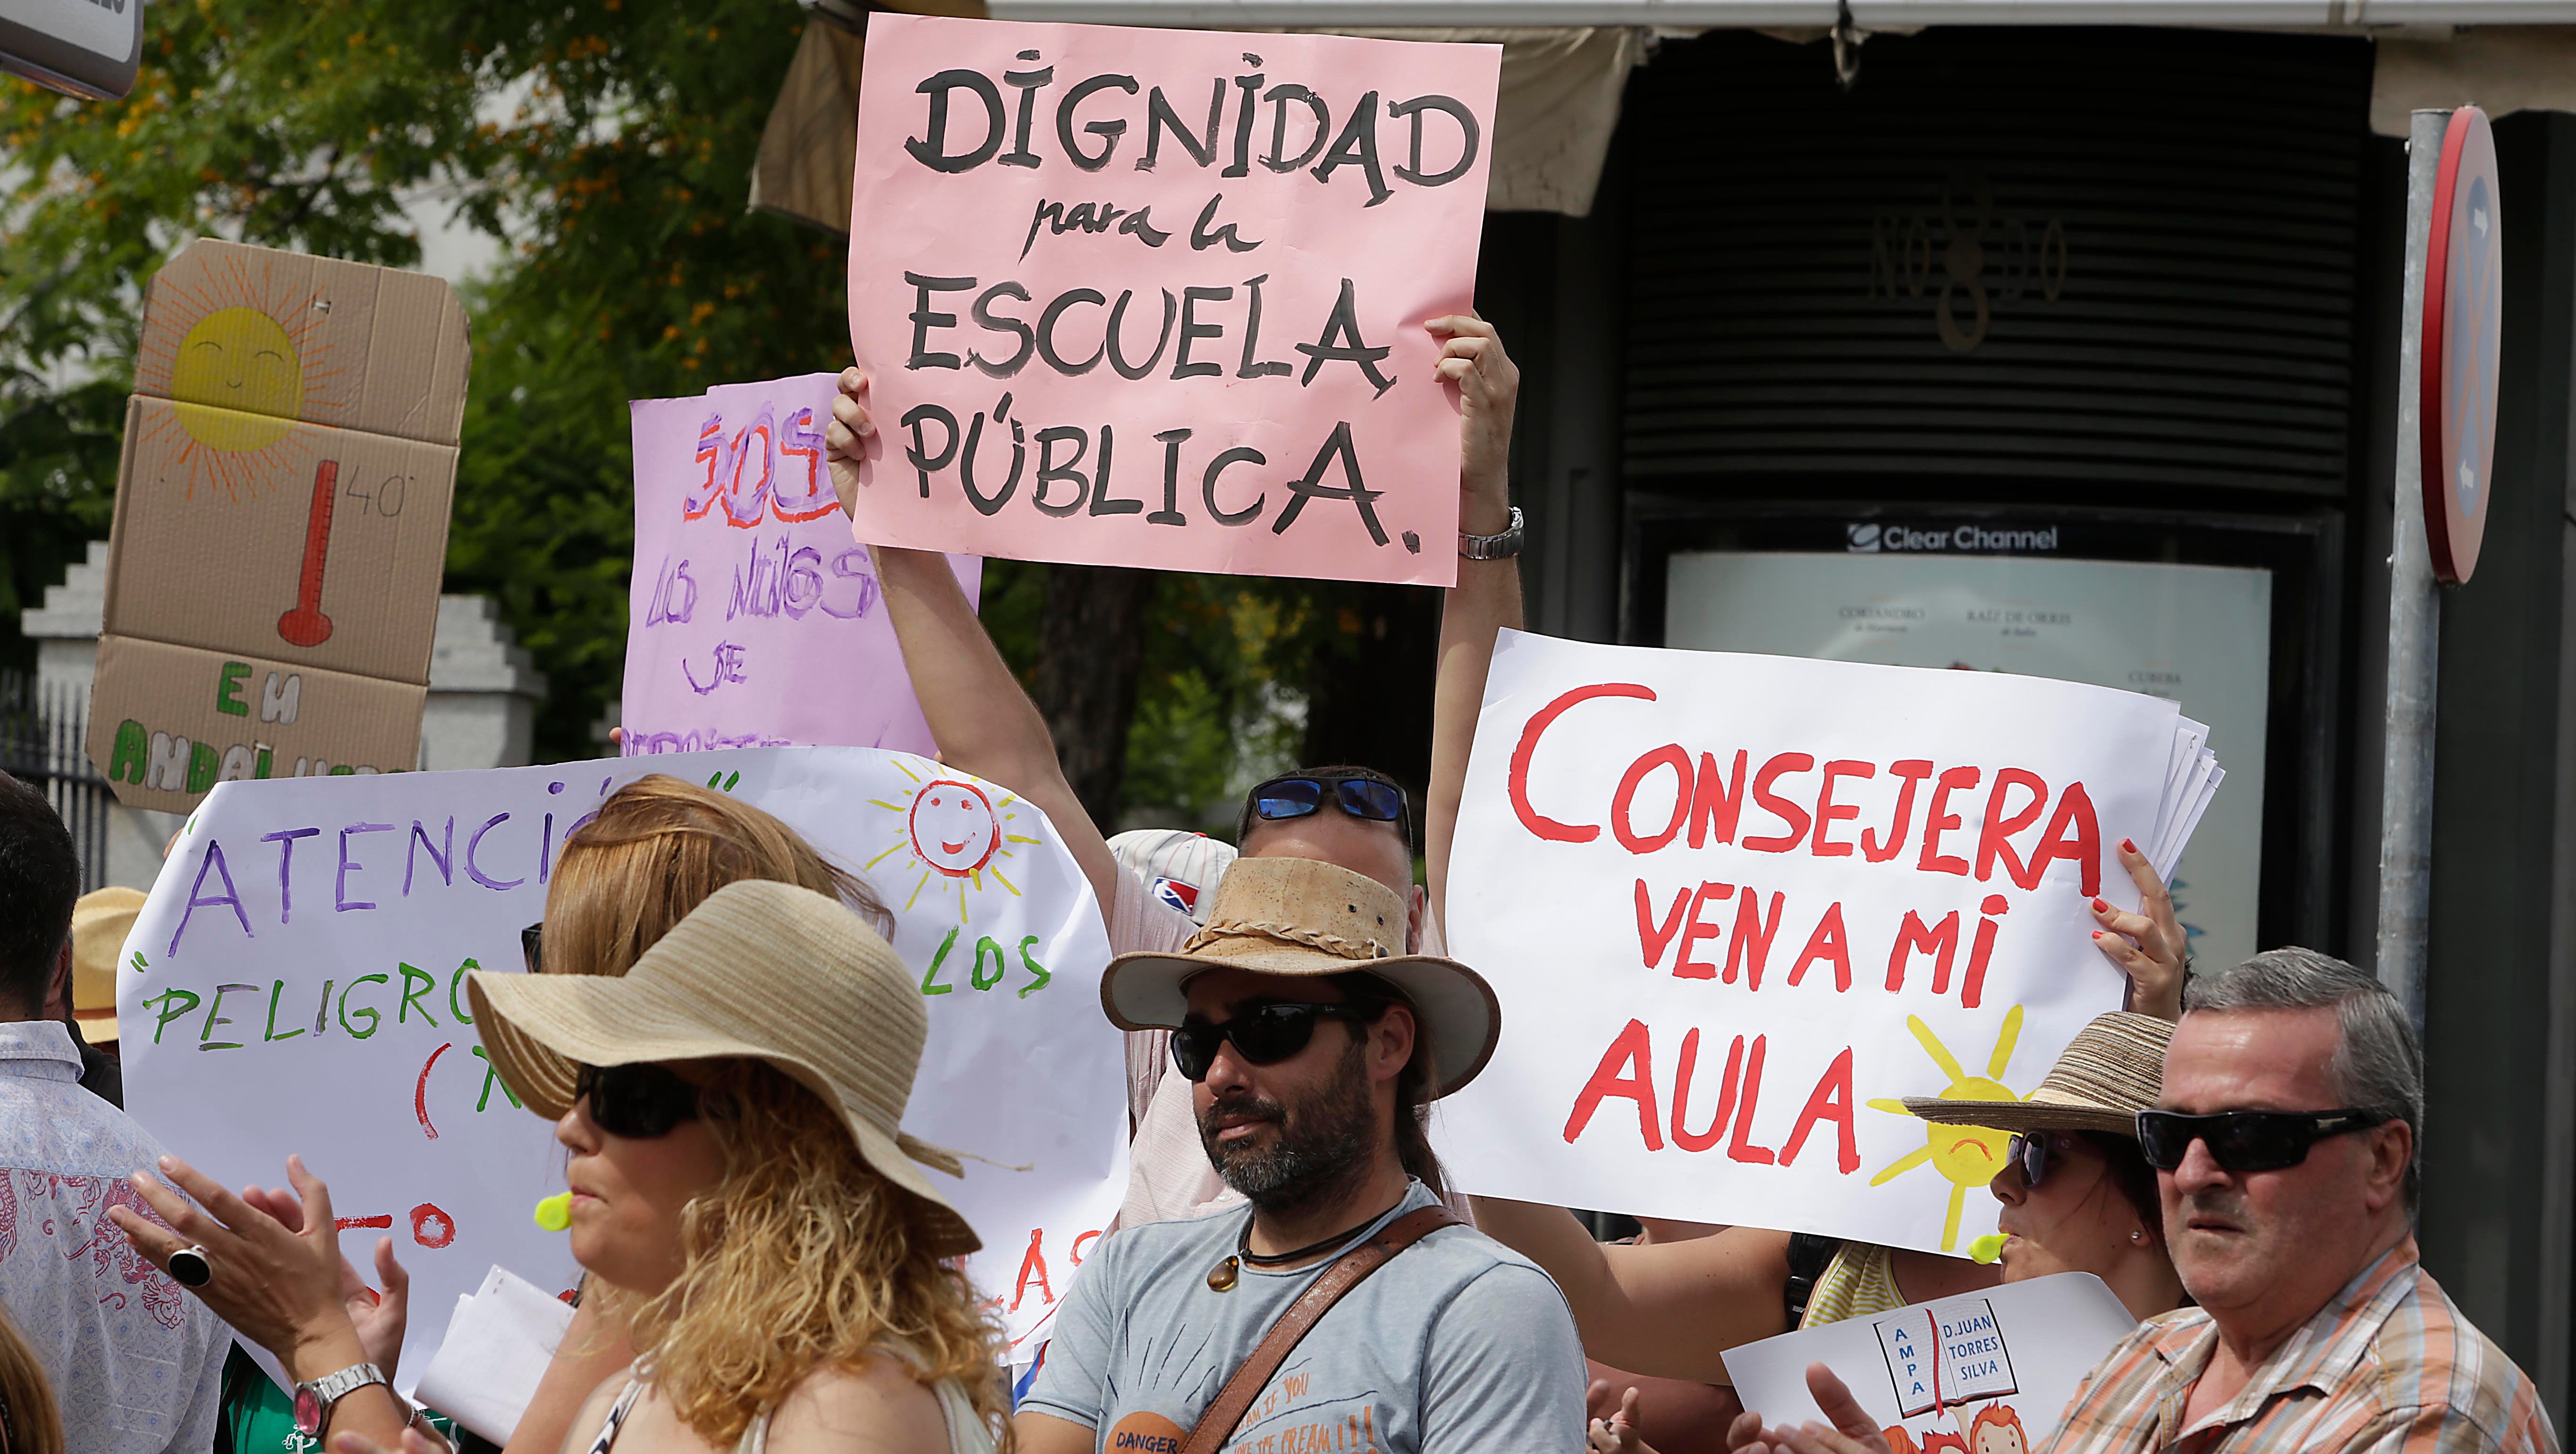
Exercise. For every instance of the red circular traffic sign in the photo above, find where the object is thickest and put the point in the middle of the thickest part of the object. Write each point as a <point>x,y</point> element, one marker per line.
<point>2463,324</point>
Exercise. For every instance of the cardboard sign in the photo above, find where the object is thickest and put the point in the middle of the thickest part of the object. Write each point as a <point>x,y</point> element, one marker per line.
<point>754,620</point>
<point>1736,906</point>
<point>1155,297</point>
<point>1986,1373</point>
<point>281,523</point>
<point>296,983</point>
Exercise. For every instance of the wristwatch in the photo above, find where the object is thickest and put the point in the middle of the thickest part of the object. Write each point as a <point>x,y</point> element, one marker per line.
<point>314,1401</point>
<point>1502,545</point>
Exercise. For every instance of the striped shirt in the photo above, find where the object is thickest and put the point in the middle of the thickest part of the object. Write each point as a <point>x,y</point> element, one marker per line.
<point>1859,1282</point>
<point>2388,1365</point>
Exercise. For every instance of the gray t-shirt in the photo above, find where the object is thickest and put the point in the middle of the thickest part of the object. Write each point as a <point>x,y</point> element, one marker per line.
<point>1457,1344</point>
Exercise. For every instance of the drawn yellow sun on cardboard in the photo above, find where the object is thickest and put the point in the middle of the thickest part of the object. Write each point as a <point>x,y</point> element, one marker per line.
<point>238,360</point>
<point>1968,1155</point>
<point>956,832</point>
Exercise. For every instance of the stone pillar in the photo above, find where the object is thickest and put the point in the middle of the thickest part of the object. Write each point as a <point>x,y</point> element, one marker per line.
<point>483,694</point>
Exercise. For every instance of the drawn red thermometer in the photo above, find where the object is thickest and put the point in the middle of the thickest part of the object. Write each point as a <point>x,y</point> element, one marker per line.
<point>306,625</point>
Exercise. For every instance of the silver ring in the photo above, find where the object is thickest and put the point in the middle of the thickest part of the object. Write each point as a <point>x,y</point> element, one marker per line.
<point>189,1267</point>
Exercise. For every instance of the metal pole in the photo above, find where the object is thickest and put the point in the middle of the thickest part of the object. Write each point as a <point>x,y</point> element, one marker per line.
<point>2414,624</point>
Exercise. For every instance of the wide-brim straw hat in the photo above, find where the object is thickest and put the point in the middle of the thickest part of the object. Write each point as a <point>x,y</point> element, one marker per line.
<point>101,919</point>
<point>1299,917</point>
<point>757,971</point>
<point>2109,1073</point>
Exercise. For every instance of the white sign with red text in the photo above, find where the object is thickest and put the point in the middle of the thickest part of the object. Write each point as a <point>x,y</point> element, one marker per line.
<point>296,983</point>
<point>1736,906</point>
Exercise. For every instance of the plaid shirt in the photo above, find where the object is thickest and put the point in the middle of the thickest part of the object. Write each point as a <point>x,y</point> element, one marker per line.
<point>2388,1365</point>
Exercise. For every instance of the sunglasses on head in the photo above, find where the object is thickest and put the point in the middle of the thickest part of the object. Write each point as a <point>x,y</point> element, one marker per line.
<point>1301,794</point>
<point>636,1102</point>
<point>2245,1140</point>
<point>1263,1033</point>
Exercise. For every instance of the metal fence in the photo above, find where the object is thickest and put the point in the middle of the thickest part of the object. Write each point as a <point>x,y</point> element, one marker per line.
<point>41,732</point>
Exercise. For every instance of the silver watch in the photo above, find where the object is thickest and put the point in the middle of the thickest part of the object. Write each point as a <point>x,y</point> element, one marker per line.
<point>315,1400</point>
<point>1502,545</point>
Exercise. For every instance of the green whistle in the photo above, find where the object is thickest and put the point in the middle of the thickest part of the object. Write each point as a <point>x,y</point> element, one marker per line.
<point>554,1213</point>
<point>1985,1249</point>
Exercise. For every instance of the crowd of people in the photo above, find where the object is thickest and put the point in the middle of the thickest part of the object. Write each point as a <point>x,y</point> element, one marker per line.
<point>771,1264</point>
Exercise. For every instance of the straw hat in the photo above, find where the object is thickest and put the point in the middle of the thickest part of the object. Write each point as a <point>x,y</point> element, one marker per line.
<point>761,971</point>
<point>2109,1073</point>
<point>1295,916</point>
<point>100,921</point>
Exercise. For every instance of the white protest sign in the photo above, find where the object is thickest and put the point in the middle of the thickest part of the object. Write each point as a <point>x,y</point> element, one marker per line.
<point>296,984</point>
<point>1984,1373</point>
<point>1735,906</point>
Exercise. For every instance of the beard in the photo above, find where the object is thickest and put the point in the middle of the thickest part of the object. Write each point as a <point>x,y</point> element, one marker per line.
<point>1322,1149</point>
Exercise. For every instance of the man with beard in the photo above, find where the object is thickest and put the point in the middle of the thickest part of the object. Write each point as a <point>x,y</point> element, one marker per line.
<point>986,724</point>
<point>2284,1145</point>
<point>1313,1044</point>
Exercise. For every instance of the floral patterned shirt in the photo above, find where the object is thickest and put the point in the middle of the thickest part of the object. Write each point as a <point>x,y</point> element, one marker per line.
<point>136,1363</point>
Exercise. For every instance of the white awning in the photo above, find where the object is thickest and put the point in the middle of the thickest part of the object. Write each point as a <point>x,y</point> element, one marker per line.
<point>1566,62</point>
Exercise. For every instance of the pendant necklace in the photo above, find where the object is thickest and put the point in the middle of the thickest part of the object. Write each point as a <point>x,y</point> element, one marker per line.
<point>1223,1276</point>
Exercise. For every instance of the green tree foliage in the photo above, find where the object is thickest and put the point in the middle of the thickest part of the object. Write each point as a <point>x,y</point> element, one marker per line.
<point>609,143</point>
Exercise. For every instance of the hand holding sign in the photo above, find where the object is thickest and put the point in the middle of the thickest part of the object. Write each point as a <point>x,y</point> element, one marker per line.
<point>1738,906</point>
<point>754,620</point>
<point>1472,360</point>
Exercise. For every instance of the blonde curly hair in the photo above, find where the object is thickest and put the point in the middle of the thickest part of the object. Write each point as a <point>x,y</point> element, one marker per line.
<point>655,849</point>
<point>803,1257</point>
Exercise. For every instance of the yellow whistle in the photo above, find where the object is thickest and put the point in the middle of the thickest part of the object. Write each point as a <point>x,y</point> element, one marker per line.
<point>1985,1249</point>
<point>554,1213</point>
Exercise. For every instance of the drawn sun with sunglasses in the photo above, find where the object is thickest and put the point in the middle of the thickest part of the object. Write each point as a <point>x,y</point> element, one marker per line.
<point>1968,1155</point>
<point>957,830</point>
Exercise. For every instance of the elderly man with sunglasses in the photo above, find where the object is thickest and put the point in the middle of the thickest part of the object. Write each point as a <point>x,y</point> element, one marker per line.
<point>1351,817</point>
<point>2284,1146</point>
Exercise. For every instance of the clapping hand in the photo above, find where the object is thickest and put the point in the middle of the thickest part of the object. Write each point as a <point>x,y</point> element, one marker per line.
<point>380,1317</point>
<point>1616,1434</point>
<point>1853,1431</point>
<point>278,1286</point>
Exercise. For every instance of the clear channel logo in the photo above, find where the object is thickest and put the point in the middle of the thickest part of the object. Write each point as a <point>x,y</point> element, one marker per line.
<point>1871,537</point>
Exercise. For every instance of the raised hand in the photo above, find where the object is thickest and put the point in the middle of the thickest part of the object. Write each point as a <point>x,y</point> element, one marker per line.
<point>2150,947</point>
<point>1489,386</point>
<point>845,438</point>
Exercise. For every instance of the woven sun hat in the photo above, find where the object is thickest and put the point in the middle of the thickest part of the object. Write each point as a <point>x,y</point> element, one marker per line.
<point>2109,1073</point>
<point>1179,869</point>
<point>101,919</point>
<point>1299,917</point>
<point>759,970</point>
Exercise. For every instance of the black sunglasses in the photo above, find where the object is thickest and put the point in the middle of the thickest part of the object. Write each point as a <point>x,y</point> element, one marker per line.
<point>1263,1033</point>
<point>532,946</point>
<point>1299,794</point>
<point>2031,1149</point>
<point>636,1102</point>
<point>2245,1140</point>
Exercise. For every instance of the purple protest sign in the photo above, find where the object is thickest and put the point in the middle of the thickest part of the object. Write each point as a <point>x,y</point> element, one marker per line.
<point>753,619</point>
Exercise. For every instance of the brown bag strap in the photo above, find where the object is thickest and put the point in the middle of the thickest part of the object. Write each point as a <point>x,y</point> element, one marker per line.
<point>1217,1424</point>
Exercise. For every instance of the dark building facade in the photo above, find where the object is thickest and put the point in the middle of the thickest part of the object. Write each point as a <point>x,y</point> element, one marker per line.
<point>2099,329</point>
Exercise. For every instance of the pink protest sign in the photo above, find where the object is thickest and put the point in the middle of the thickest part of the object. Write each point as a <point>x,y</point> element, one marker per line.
<point>1156,297</point>
<point>753,620</point>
